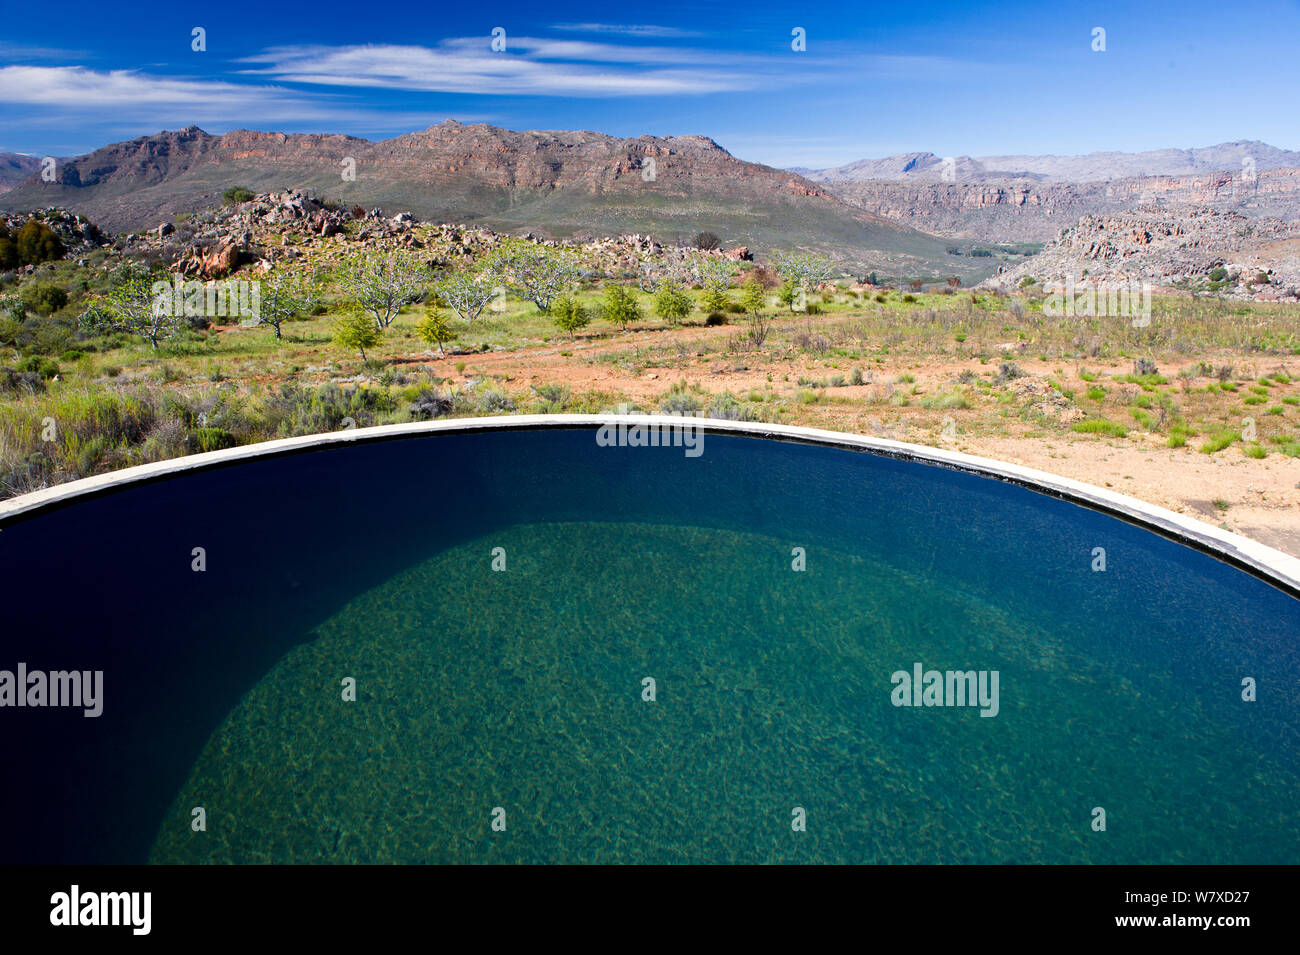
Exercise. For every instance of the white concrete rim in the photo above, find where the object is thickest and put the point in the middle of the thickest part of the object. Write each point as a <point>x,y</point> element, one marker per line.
<point>1271,564</point>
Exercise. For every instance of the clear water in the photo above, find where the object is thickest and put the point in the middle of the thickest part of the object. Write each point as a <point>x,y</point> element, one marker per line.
<point>522,689</point>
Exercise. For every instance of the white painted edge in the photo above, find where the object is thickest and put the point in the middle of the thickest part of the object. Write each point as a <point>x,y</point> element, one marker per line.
<point>1267,562</point>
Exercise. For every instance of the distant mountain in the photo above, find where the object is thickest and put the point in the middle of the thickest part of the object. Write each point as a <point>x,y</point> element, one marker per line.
<point>1028,211</point>
<point>15,167</point>
<point>1094,167</point>
<point>567,184</point>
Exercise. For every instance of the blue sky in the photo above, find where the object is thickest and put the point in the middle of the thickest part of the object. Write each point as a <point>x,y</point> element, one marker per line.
<point>966,78</point>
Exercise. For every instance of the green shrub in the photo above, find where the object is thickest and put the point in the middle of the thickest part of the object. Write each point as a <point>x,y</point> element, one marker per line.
<point>569,314</point>
<point>45,298</point>
<point>944,400</point>
<point>679,400</point>
<point>671,303</point>
<point>34,243</point>
<point>212,439</point>
<point>41,366</point>
<point>727,408</point>
<point>1220,440</point>
<point>619,306</point>
<point>1101,426</point>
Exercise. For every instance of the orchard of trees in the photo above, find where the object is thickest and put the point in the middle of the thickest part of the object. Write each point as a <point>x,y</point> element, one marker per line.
<point>368,289</point>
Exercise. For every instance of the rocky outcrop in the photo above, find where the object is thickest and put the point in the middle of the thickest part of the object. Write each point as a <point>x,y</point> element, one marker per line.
<point>1026,211</point>
<point>1193,249</point>
<point>78,234</point>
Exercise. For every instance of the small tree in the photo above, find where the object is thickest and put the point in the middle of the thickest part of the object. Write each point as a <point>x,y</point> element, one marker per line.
<point>383,284</point>
<point>356,329</point>
<point>672,303</point>
<point>714,276</point>
<point>36,242</point>
<point>466,294</point>
<point>536,272</point>
<point>569,314</point>
<point>131,306</point>
<point>753,297</point>
<point>284,299</point>
<point>620,306</point>
<point>788,293</point>
<point>707,241</point>
<point>434,329</point>
<point>806,268</point>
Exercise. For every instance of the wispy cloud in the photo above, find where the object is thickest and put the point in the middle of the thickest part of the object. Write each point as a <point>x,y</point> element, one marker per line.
<point>530,66</point>
<point>626,29</point>
<point>81,87</point>
<point>23,51</point>
<point>125,99</point>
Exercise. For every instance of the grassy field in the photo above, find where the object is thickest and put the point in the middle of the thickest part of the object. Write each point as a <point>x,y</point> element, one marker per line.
<point>1206,380</point>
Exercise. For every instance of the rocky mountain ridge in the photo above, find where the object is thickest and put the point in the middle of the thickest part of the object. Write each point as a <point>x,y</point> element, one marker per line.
<point>564,184</point>
<point>1021,211</point>
<point>1093,167</point>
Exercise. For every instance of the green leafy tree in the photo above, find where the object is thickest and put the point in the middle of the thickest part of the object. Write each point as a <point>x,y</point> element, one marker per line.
<point>672,303</point>
<point>620,306</point>
<point>34,243</point>
<point>788,293</point>
<point>355,328</point>
<point>383,283</point>
<point>753,297</point>
<point>537,273</point>
<point>714,276</point>
<point>569,314</point>
<point>715,300</point>
<point>434,329</point>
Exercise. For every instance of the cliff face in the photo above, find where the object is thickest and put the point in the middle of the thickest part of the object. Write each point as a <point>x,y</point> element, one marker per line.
<point>569,184</point>
<point>1196,249</point>
<point>1023,211</point>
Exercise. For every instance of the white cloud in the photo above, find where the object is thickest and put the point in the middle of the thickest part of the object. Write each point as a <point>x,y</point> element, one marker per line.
<point>530,66</point>
<point>121,100</point>
<point>77,86</point>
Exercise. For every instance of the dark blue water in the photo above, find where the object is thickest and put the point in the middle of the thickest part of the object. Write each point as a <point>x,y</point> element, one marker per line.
<point>522,689</point>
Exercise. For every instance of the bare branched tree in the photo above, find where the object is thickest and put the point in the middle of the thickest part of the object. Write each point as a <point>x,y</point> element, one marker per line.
<point>383,283</point>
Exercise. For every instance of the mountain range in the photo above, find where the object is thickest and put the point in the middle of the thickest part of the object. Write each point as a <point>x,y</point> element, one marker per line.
<point>1093,167</point>
<point>912,214</point>
<point>567,184</point>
